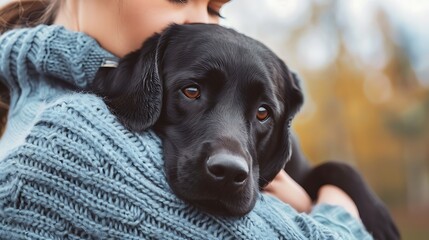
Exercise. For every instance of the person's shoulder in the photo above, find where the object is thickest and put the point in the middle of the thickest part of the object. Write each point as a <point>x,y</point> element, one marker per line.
<point>86,115</point>
<point>78,128</point>
<point>84,119</point>
<point>83,108</point>
<point>77,114</point>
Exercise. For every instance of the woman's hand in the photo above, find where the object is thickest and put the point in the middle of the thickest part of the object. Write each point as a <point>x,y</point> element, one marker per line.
<point>287,190</point>
<point>330,194</point>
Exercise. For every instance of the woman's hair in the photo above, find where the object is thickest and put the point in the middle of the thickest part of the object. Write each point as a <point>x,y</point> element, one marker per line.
<point>17,14</point>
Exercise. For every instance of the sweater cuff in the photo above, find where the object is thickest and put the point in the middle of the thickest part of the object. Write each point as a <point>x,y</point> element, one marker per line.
<point>338,218</point>
<point>72,56</point>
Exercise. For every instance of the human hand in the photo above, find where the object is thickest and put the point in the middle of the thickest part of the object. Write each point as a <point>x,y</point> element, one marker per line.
<point>373,213</point>
<point>330,194</point>
<point>287,190</point>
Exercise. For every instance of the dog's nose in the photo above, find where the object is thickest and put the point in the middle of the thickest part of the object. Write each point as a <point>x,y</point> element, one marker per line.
<point>227,169</point>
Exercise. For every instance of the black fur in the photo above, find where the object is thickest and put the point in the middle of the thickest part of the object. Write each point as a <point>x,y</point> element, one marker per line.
<point>236,75</point>
<point>133,91</point>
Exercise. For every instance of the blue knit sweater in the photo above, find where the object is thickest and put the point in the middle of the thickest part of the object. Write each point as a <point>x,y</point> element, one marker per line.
<point>70,170</point>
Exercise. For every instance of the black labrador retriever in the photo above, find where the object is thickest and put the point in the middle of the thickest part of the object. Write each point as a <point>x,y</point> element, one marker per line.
<point>222,103</point>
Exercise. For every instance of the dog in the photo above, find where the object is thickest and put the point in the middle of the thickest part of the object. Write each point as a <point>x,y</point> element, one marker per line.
<point>222,104</point>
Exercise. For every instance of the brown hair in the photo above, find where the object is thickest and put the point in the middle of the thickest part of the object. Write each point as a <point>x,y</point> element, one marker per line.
<point>23,13</point>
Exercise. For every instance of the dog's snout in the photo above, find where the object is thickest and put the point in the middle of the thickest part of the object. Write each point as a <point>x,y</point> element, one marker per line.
<point>227,170</point>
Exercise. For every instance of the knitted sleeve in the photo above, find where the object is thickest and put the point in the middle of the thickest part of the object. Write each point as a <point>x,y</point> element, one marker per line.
<point>338,219</point>
<point>51,51</point>
<point>81,175</point>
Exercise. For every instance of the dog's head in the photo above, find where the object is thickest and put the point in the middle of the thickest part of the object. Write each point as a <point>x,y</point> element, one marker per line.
<point>221,102</point>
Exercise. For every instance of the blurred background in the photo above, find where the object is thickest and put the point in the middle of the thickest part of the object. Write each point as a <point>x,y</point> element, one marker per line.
<point>365,71</point>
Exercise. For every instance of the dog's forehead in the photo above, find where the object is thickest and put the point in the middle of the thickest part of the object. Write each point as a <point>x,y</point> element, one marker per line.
<point>206,37</point>
<point>210,44</point>
<point>206,46</point>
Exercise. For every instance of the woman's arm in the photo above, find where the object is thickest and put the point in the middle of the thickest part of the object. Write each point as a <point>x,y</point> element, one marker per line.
<point>81,174</point>
<point>48,50</point>
<point>337,184</point>
<point>330,194</point>
<point>286,189</point>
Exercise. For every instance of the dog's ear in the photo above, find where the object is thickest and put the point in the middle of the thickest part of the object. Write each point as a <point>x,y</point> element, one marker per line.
<point>133,90</point>
<point>279,149</point>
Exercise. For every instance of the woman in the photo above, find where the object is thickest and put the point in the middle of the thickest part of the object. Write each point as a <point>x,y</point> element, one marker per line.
<point>70,170</point>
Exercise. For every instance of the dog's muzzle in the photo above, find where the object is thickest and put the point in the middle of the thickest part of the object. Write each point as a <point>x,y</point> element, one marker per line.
<point>225,170</point>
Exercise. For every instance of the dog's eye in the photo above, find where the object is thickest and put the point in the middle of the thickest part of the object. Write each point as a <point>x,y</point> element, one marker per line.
<point>262,114</point>
<point>192,92</point>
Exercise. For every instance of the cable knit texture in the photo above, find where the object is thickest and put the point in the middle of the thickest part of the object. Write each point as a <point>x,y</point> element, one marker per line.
<point>70,170</point>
